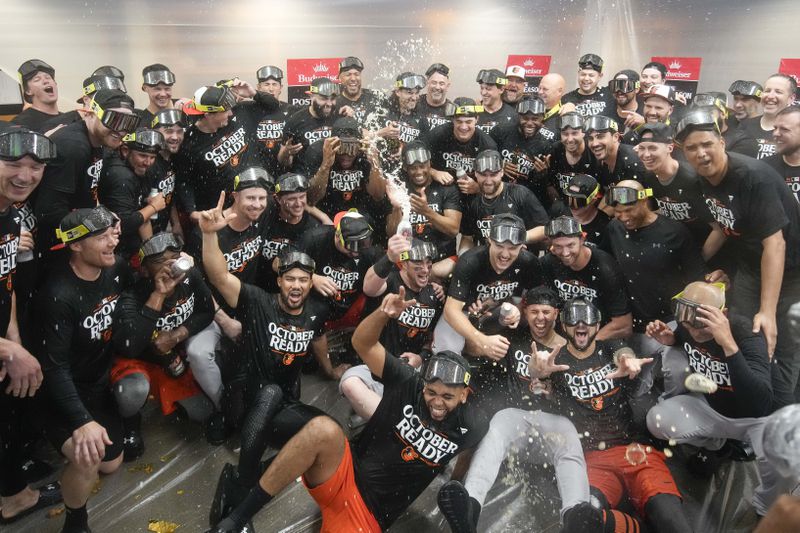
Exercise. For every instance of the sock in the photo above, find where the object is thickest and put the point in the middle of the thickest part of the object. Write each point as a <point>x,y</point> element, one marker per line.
<point>77,519</point>
<point>255,500</point>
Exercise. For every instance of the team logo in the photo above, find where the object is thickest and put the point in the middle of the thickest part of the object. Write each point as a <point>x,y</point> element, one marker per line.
<point>320,68</point>
<point>408,454</point>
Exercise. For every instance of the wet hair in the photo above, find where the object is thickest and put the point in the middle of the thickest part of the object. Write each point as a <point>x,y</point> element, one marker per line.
<point>661,67</point>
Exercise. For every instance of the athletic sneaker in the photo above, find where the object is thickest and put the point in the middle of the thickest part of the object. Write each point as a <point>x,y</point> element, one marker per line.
<point>459,508</point>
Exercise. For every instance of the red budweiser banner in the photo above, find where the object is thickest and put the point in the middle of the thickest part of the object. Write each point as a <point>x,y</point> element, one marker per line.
<point>535,68</point>
<point>683,73</point>
<point>300,72</point>
<point>792,68</point>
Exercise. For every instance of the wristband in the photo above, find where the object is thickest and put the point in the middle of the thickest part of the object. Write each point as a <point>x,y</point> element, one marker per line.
<point>383,267</point>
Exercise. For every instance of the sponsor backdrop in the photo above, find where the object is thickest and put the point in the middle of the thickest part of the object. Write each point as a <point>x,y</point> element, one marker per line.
<point>792,68</point>
<point>683,73</point>
<point>535,68</point>
<point>300,72</point>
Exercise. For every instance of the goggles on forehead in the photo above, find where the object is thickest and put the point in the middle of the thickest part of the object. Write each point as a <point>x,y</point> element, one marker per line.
<point>626,195</point>
<point>444,368</point>
<point>115,120</point>
<point>580,311</point>
<point>562,227</point>
<point>491,162</point>
<point>226,101</point>
<point>291,183</point>
<point>105,82</point>
<point>501,233</point>
<point>294,259</point>
<point>533,106</point>
<point>572,120</point>
<point>109,70</point>
<point>98,220</point>
<point>30,67</point>
<point>356,244</point>
<point>697,119</point>
<point>441,68</point>
<point>420,252</point>
<point>252,177</point>
<point>150,141</point>
<point>745,88</point>
<point>416,156</point>
<point>709,100</point>
<point>411,82</point>
<point>620,85</point>
<point>487,76</point>
<point>592,61</point>
<point>265,73</point>
<point>324,89</point>
<point>169,117</point>
<point>463,110</point>
<point>599,123</point>
<point>349,146</point>
<point>15,145</point>
<point>155,77</point>
<point>160,243</point>
<point>350,62</point>
<point>685,310</point>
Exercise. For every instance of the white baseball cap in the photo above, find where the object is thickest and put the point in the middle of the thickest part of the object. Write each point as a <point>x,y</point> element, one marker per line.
<point>515,70</point>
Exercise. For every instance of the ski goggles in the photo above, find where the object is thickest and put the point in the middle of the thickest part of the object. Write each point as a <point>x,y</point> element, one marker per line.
<point>15,145</point>
<point>349,146</point>
<point>416,156</point>
<point>145,140</point>
<point>533,106</point>
<point>562,227</point>
<point>626,195</point>
<point>169,117</point>
<point>350,62</point>
<point>291,183</point>
<point>571,120</point>
<point>599,123</point>
<point>96,83</point>
<point>289,260</point>
<point>507,231</point>
<point>471,110</point>
<point>685,310</point>
<point>411,82</point>
<point>489,162</point>
<point>711,100</point>
<point>490,77</point>
<point>448,368</point>
<point>579,311</point>
<point>440,68</point>
<point>265,73</point>
<point>745,88</point>
<point>29,68</point>
<point>420,252</point>
<point>109,70</point>
<point>356,244</point>
<point>623,85</point>
<point>115,120</point>
<point>591,61</point>
<point>327,88</point>
<point>576,200</point>
<point>160,243</point>
<point>154,77</point>
<point>225,102</point>
<point>96,221</point>
<point>252,177</point>
<point>697,119</point>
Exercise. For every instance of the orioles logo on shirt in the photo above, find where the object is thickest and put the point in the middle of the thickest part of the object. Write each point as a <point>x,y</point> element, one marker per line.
<point>597,403</point>
<point>288,359</point>
<point>409,454</point>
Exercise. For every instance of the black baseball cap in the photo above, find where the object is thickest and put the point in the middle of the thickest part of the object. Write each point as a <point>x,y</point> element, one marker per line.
<point>210,99</point>
<point>581,190</point>
<point>94,83</point>
<point>491,76</point>
<point>659,133</point>
<point>591,61</point>
<point>350,62</point>
<point>113,98</point>
<point>86,222</point>
<point>667,92</point>
<point>353,226</point>
<point>323,87</point>
<point>29,68</point>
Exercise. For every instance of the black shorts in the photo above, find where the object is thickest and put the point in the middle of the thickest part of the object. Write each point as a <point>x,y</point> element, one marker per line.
<point>103,410</point>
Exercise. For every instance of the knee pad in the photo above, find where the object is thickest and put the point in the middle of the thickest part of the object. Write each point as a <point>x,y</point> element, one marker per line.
<point>131,393</point>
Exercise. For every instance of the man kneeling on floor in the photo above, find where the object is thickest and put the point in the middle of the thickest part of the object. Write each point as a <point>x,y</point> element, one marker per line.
<point>419,427</point>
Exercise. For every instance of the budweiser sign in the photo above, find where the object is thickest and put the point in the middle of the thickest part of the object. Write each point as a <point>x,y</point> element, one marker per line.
<point>681,68</point>
<point>790,67</point>
<point>535,66</point>
<point>303,71</point>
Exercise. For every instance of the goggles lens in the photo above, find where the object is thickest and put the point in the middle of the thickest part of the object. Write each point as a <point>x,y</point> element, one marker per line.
<point>416,155</point>
<point>623,86</point>
<point>411,82</point>
<point>698,119</point>
<point>627,195</point>
<point>600,123</point>
<point>575,313</point>
<point>169,117</point>
<point>447,371</point>
<point>160,243</point>
<point>534,106</point>
<point>488,163</point>
<point>291,260</point>
<point>441,68</point>
<point>292,183</point>
<point>105,82</point>
<point>265,73</point>
<point>572,120</point>
<point>562,227</point>
<point>159,76</point>
<point>420,252</point>
<point>100,219</point>
<point>15,145</point>
<point>506,233</point>
<point>487,76</point>
<point>252,177</point>
<point>145,141</point>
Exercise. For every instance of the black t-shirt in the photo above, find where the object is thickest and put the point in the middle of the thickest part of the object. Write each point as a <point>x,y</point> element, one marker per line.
<point>751,203</point>
<point>347,272</point>
<point>743,380</point>
<point>551,126</point>
<point>269,135</point>
<point>514,198</point>
<point>597,405</point>
<point>401,449</point>
<point>521,151</point>
<point>124,193</point>
<point>146,117</point>
<point>791,174</point>
<point>561,171</point>
<point>657,262</point>
<point>628,166</point>
<point>306,129</point>
<point>449,154</point>
<point>277,234</point>
<point>347,188</point>
<point>72,336</point>
<point>595,230</point>
<point>161,176</point>
<point>474,277</point>
<point>413,329</point>
<point>433,115</point>
<point>36,120</point>
<point>764,145</point>
<point>505,115</point>
<point>611,111</point>
<point>9,242</point>
<point>681,200</point>
<point>588,105</point>
<point>600,282</point>
<point>368,102</point>
<point>275,343</point>
<point>440,197</point>
<point>190,305</point>
<point>68,183</point>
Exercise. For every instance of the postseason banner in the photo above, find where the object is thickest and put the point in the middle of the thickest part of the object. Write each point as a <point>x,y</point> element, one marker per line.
<point>683,73</point>
<point>792,68</point>
<point>535,68</point>
<point>300,72</point>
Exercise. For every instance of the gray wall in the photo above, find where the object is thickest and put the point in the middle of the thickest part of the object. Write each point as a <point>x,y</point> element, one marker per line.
<point>205,40</point>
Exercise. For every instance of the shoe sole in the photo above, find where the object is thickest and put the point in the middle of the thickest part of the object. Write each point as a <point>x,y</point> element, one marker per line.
<point>453,502</point>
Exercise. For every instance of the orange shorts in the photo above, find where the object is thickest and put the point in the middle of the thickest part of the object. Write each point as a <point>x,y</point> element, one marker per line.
<point>168,390</point>
<point>613,474</point>
<point>343,508</point>
<point>351,318</point>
